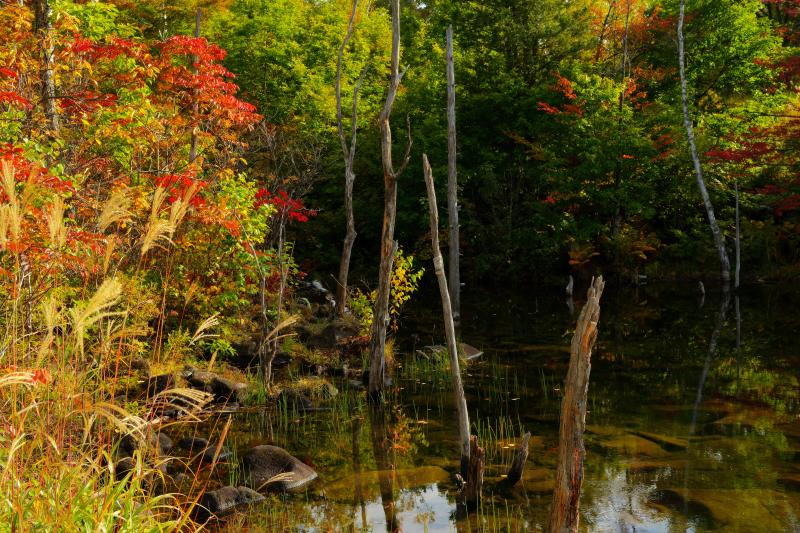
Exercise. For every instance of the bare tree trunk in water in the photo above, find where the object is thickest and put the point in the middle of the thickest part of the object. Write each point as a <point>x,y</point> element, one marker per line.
<point>725,263</point>
<point>195,105</point>
<point>449,327</point>
<point>712,350</point>
<point>349,153</point>
<point>454,254</point>
<point>383,463</point>
<point>518,464</point>
<point>358,493</point>
<point>380,319</point>
<point>564,514</point>
<point>42,26</point>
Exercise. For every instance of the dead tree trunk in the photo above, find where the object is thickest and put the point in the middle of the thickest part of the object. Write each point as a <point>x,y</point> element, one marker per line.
<point>471,491</point>
<point>43,28</point>
<point>380,317</point>
<point>725,264</point>
<point>518,464</point>
<point>349,153</point>
<point>564,515</point>
<point>449,327</point>
<point>452,183</point>
<point>195,104</point>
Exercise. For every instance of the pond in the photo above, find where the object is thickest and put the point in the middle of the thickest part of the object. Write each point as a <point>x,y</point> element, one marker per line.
<point>693,420</point>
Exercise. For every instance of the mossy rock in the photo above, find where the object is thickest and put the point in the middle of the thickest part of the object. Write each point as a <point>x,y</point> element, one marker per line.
<point>632,445</point>
<point>736,511</point>
<point>262,464</point>
<point>370,482</point>
<point>314,388</point>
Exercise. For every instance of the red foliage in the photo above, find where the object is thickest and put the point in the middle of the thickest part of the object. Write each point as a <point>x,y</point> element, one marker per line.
<point>14,98</point>
<point>190,69</point>
<point>294,209</point>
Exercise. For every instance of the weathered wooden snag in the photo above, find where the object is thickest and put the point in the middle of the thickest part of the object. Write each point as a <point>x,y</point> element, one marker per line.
<point>518,464</point>
<point>449,327</point>
<point>564,515</point>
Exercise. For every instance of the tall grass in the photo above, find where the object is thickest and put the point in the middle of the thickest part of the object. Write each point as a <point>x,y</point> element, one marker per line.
<point>68,332</point>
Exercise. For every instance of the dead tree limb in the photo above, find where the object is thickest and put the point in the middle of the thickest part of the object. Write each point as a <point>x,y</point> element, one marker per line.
<point>196,96</point>
<point>725,264</point>
<point>449,327</point>
<point>44,29</point>
<point>349,152</point>
<point>380,317</point>
<point>564,515</point>
<point>518,464</point>
<point>454,253</point>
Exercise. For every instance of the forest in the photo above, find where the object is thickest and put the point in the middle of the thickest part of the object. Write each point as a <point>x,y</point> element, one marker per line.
<point>231,300</point>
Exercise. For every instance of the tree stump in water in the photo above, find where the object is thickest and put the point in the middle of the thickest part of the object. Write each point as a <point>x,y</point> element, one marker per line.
<point>518,464</point>
<point>569,473</point>
<point>474,482</point>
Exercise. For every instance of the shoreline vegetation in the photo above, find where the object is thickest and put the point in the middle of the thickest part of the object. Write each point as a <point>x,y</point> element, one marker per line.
<point>171,196</point>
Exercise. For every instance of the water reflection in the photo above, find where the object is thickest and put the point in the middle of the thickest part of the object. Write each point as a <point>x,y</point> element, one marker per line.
<point>692,425</point>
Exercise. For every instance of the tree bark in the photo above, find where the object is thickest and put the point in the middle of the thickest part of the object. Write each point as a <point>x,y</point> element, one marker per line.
<point>349,176</point>
<point>380,320</point>
<point>42,26</point>
<point>452,183</point>
<point>564,516</point>
<point>725,265</point>
<point>195,105</point>
<point>474,481</point>
<point>449,326</point>
<point>518,464</point>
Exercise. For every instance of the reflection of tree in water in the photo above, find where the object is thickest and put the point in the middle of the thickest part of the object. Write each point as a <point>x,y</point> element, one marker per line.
<point>382,449</point>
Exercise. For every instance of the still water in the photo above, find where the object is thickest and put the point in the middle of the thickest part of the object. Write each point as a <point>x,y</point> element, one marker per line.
<point>693,422</point>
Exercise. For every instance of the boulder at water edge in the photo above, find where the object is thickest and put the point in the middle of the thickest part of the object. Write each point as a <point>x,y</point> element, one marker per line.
<point>263,463</point>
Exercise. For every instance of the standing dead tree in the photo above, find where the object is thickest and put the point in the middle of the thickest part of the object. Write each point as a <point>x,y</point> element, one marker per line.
<point>349,153</point>
<point>195,97</point>
<point>449,326</point>
<point>380,318</point>
<point>44,29</point>
<point>564,515</point>
<point>518,464</point>
<point>725,263</point>
<point>452,183</point>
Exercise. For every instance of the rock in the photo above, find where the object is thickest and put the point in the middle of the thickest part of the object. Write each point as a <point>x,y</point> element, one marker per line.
<point>295,400</point>
<point>226,390</point>
<point>200,447</point>
<point>408,478</point>
<point>123,467</point>
<point>314,292</point>
<point>222,501</point>
<point>631,445</point>
<point>159,383</point>
<point>223,389</point>
<point>199,379</point>
<point>263,463</point>
<point>733,509</point>
<point>193,444</point>
<point>158,442</point>
<point>468,352</point>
